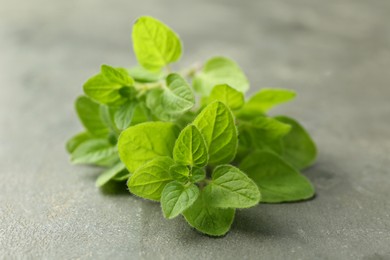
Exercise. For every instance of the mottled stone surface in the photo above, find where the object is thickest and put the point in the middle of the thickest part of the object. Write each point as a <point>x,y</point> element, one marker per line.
<point>335,53</point>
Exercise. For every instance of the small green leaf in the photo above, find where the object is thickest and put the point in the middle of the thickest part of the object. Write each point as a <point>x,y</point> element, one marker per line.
<point>197,174</point>
<point>261,133</point>
<point>207,219</point>
<point>190,148</point>
<point>220,70</point>
<point>276,179</point>
<point>143,142</point>
<point>93,151</point>
<point>180,173</point>
<point>143,75</point>
<point>170,102</point>
<point>108,114</point>
<point>264,100</point>
<point>117,75</point>
<point>299,149</point>
<point>76,140</point>
<point>250,142</point>
<point>106,86</point>
<point>109,174</point>
<point>89,114</point>
<point>140,114</point>
<point>149,180</point>
<point>231,188</point>
<point>232,98</point>
<point>155,44</point>
<point>124,114</point>
<point>176,198</point>
<point>265,129</point>
<point>216,124</point>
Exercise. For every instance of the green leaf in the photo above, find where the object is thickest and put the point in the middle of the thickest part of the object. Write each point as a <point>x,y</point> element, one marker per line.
<point>149,180</point>
<point>105,87</point>
<point>76,140</point>
<point>261,133</point>
<point>231,188</point>
<point>264,100</point>
<point>124,114</point>
<point>190,148</point>
<point>216,124</point>
<point>207,219</point>
<point>170,102</point>
<point>180,173</point>
<point>122,176</point>
<point>89,114</point>
<point>276,179</point>
<point>155,44</point>
<point>197,174</point>
<point>176,198</point>
<point>299,149</point>
<point>140,114</point>
<point>143,75</point>
<point>220,70</point>
<point>232,98</point>
<point>93,151</point>
<point>108,114</point>
<point>143,142</point>
<point>265,128</point>
<point>117,75</point>
<point>247,145</point>
<point>109,174</point>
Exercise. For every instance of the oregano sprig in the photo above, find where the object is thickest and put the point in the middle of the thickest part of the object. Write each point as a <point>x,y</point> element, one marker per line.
<point>202,160</point>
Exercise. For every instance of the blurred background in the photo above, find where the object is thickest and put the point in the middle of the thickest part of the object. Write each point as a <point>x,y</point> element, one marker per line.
<point>335,54</point>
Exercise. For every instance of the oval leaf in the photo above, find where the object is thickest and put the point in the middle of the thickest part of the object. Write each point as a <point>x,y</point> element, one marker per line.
<point>180,173</point>
<point>209,220</point>
<point>276,179</point>
<point>143,142</point>
<point>155,44</point>
<point>149,180</point>
<point>266,128</point>
<point>116,75</point>
<point>105,86</point>
<point>216,124</point>
<point>89,114</point>
<point>76,140</point>
<point>190,148</point>
<point>299,149</point>
<point>264,100</point>
<point>232,98</point>
<point>177,197</point>
<point>171,101</point>
<point>124,115</point>
<point>231,188</point>
<point>94,151</point>
<point>220,70</point>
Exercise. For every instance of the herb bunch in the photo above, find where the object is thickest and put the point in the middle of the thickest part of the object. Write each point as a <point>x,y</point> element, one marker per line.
<point>203,157</point>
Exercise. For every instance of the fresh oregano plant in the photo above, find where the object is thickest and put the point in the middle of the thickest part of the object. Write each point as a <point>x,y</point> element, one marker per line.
<point>202,158</point>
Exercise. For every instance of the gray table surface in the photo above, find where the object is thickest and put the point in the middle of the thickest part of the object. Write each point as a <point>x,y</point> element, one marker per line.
<point>335,54</point>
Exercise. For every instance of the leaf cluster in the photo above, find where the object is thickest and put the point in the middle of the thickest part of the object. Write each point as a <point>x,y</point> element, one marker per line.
<point>200,157</point>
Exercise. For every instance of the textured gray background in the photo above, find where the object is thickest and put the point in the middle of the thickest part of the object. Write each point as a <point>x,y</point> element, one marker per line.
<point>335,53</point>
